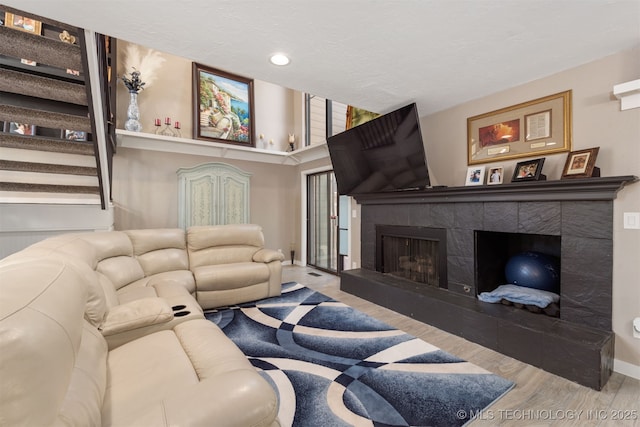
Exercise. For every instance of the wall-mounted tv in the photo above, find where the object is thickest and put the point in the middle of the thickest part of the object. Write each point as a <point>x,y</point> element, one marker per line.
<point>381,155</point>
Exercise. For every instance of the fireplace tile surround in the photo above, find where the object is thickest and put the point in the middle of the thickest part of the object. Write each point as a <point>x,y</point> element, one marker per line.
<point>578,345</point>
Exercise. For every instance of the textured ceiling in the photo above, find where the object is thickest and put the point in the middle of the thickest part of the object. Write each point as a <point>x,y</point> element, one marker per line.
<point>377,55</point>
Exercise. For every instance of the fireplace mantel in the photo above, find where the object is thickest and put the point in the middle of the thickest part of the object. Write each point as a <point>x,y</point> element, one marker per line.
<point>604,188</point>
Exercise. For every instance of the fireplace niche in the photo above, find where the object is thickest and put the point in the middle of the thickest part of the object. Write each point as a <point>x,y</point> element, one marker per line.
<point>494,249</point>
<point>577,218</point>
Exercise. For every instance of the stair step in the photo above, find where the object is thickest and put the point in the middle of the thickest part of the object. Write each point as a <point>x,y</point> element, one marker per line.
<point>47,178</point>
<point>20,44</point>
<point>42,87</point>
<point>35,156</point>
<point>10,165</point>
<point>35,197</point>
<point>48,188</point>
<point>48,119</point>
<point>27,142</point>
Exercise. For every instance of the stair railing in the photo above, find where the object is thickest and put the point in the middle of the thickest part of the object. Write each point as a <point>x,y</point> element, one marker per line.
<point>94,54</point>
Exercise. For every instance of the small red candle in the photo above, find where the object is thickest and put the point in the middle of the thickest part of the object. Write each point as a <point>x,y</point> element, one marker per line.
<point>167,121</point>
<point>157,122</point>
<point>177,125</point>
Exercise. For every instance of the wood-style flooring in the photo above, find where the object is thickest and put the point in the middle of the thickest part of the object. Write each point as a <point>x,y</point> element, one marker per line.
<point>538,399</point>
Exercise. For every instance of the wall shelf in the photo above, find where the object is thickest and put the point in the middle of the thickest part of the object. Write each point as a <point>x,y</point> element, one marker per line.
<point>629,94</point>
<point>152,142</point>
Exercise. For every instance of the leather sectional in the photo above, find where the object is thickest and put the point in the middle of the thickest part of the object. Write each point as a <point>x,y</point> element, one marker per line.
<point>107,328</point>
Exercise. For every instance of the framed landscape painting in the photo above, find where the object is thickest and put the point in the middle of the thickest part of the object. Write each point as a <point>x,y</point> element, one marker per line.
<point>223,107</point>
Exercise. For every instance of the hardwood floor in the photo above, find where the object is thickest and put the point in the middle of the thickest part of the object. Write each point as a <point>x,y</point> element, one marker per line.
<point>538,399</point>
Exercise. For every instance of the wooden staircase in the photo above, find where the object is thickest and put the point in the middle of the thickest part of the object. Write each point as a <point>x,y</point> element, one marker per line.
<point>56,160</point>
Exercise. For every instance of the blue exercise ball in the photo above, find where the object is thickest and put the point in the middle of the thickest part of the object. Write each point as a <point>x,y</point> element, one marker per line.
<point>534,270</point>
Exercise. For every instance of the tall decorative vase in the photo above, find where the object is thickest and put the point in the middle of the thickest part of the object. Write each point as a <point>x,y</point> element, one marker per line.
<point>133,114</point>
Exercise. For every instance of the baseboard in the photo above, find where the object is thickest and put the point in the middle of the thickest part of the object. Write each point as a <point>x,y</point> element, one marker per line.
<point>626,368</point>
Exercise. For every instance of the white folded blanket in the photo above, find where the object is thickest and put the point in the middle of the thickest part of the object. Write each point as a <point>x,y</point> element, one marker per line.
<point>520,294</point>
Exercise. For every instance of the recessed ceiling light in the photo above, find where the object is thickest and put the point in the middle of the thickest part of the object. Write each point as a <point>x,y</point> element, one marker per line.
<point>279,59</point>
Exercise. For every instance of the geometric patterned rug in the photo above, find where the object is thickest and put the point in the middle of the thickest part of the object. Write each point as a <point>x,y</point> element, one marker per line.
<point>332,365</point>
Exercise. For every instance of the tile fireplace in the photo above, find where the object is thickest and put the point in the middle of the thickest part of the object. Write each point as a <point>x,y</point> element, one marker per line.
<point>572,219</point>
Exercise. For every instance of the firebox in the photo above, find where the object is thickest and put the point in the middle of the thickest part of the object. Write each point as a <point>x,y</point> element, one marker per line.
<point>493,250</point>
<point>418,254</point>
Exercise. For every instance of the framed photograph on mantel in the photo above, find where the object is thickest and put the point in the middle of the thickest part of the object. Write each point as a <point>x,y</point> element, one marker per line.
<point>529,170</point>
<point>496,175</point>
<point>581,164</point>
<point>223,108</point>
<point>475,175</point>
<point>538,127</point>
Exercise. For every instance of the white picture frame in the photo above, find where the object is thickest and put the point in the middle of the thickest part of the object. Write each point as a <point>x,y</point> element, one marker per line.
<point>496,175</point>
<point>475,175</point>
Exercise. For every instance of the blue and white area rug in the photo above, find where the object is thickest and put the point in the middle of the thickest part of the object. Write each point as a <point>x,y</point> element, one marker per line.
<point>335,366</point>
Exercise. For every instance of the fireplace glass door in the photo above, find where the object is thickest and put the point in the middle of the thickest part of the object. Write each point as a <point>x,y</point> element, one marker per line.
<point>413,259</point>
<point>418,254</point>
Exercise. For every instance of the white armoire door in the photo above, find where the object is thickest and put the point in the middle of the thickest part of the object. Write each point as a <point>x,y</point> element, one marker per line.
<point>213,194</point>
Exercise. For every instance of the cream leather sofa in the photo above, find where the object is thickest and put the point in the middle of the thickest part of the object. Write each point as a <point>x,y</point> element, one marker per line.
<point>104,329</point>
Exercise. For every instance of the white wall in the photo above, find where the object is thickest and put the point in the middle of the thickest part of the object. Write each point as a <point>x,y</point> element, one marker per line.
<point>22,224</point>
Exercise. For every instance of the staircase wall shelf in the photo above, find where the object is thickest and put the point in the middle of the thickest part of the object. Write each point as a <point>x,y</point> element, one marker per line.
<point>152,142</point>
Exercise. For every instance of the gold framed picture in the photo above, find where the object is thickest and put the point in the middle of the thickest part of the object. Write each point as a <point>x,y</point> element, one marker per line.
<point>538,127</point>
<point>357,116</point>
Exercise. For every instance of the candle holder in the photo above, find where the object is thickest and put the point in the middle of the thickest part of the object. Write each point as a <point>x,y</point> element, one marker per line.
<point>166,129</point>
<point>292,141</point>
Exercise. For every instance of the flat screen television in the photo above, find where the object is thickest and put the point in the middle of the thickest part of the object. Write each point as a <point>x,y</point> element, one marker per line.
<point>382,155</point>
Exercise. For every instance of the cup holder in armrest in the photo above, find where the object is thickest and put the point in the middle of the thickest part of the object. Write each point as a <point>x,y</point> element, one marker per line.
<point>178,307</point>
<point>181,313</point>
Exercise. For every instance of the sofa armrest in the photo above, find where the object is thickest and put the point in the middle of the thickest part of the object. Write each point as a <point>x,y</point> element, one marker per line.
<point>136,314</point>
<point>268,255</point>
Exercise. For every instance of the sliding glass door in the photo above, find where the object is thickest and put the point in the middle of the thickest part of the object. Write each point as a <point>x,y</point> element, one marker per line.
<point>322,225</point>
